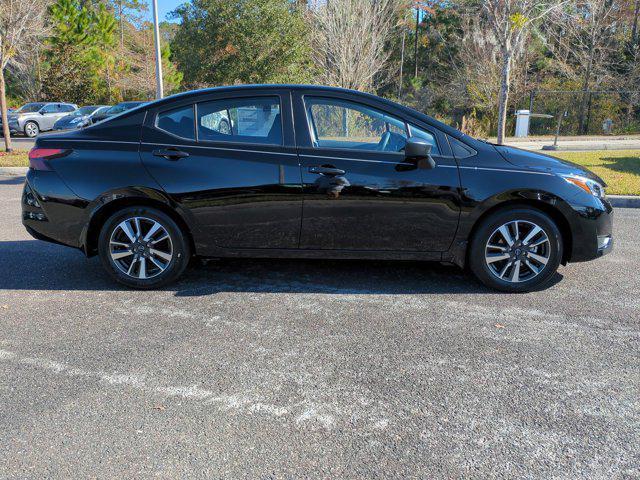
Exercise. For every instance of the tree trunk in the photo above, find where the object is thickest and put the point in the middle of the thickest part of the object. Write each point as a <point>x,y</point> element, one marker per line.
<point>503,96</point>
<point>401,65</point>
<point>415,52</point>
<point>634,29</point>
<point>3,110</point>
<point>121,25</point>
<point>585,86</point>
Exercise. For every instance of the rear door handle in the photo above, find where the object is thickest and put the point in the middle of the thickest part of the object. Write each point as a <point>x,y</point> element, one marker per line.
<point>326,170</point>
<point>170,153</point>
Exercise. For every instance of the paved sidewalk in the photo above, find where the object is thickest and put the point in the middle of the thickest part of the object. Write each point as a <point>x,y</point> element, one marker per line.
<point>578,144</point>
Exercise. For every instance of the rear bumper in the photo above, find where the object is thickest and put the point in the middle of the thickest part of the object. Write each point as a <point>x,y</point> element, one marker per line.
<point>50,210</point>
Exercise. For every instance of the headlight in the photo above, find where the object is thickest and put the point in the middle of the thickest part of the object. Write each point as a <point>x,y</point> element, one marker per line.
<point>590,186</point>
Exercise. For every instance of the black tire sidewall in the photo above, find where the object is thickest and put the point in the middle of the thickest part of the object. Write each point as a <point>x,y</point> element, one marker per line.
<point>477,249</point>
<point>181,250</point>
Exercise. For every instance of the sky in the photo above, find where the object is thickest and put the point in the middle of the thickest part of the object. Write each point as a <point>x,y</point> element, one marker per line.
<point>166,6</point>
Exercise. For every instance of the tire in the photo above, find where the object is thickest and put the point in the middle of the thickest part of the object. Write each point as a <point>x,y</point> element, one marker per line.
<point>519,267</point>
<point>137,257</point>
<point>224,127</point>
<point>31,129</point>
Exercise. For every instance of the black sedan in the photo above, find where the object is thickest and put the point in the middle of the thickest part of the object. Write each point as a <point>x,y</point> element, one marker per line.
<point>307,172</point>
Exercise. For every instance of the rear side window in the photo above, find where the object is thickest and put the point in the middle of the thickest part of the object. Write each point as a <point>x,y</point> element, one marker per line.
<point>67,108</point>
<point>178,122</point>
<point>249,120</point>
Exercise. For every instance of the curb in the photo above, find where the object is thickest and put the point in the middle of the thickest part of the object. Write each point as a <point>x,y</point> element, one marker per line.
<point>618,201</point>
<point>624,201</point>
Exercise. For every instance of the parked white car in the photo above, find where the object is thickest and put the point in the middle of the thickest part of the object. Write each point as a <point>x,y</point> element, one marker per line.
<point>33,118</point>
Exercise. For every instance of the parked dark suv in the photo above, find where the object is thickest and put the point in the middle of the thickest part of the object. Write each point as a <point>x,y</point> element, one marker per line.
<point>312,172</point>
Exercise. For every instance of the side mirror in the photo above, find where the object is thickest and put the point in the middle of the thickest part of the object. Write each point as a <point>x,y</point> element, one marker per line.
<point>418,152</point>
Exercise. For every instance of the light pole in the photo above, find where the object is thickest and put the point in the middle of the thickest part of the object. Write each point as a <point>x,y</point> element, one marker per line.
<point>156,35</point>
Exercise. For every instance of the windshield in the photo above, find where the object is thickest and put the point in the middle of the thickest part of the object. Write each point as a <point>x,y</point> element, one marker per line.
<point>30,108</point>
<point>83,111</point>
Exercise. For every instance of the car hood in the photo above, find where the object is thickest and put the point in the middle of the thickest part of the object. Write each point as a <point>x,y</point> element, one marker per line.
<point>101,116</point>
<point>69,118</point>
<point>546,163</point>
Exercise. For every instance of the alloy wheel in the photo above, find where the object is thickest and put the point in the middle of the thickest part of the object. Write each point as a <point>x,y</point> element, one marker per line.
<point>141,247</point>
<point>31,129</point>
<point>517,251</point>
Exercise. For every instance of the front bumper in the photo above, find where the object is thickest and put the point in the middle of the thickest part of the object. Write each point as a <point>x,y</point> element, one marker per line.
<point>592,230</point>
<point>13,127</point>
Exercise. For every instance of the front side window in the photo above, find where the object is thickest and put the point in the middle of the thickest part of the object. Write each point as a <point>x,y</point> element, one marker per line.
<point>178,122</point>
<point>339,123</point>
<point>250,120</point>
<point>424,135</point>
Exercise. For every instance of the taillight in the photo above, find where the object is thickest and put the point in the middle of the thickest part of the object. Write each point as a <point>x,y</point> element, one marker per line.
<point>38,157</point>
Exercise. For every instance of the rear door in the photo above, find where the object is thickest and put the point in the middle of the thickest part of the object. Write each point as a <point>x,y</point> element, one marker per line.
<point>230,161</point>
<point>359,193</point>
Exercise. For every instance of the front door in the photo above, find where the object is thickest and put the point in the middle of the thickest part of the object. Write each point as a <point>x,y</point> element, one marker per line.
<point>231,163</point>
<point>359,193</point>
<point>50,114</point>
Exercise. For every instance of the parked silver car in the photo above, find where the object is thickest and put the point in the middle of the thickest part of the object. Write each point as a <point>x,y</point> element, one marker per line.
<point>33,118</point>
<point>80,118</point>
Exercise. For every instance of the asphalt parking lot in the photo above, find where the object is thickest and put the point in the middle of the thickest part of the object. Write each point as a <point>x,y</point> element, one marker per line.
<point>300,369</point>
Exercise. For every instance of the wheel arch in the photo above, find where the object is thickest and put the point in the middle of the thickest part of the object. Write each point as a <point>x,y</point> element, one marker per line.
<point>30,120</point>
<point>544,206</point>
<point>100,214</point>
<point>552,205</point>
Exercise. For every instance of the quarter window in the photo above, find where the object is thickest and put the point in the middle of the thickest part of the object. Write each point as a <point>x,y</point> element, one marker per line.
<point>250,120</point>
<point>177,122</point>
<point>342,124</point>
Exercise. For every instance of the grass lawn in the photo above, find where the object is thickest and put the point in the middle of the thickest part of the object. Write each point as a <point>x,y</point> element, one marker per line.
<point>620,169</point>
<point>17,158</point>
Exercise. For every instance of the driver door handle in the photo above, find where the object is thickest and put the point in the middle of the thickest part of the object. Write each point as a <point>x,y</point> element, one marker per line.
<point>326,170</point>
<point>170,153</point>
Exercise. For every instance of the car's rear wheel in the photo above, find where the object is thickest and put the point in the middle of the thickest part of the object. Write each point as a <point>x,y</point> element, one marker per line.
<point>31,129</point>
<point>516,250</point>
<point>143,247</point>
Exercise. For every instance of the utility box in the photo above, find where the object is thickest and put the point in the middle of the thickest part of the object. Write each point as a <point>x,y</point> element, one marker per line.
<point>522,123</point>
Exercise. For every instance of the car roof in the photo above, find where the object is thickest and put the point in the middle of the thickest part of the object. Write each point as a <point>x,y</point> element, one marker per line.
<point>319,88</point>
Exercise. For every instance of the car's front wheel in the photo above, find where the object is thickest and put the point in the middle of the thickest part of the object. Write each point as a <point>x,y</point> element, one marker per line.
<point>516,250</point>
<point>143,247</point>
<point>31,129</point>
